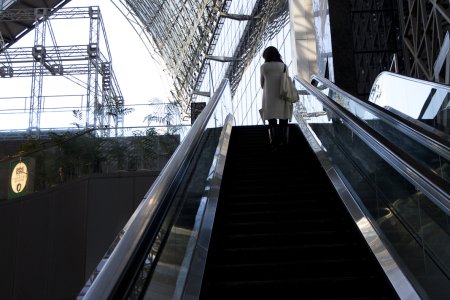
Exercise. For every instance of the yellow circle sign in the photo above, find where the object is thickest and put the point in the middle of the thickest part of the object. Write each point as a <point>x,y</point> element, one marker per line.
<point>19,177</point>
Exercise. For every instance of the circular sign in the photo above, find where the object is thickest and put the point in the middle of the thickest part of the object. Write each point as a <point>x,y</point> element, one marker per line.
<point>19,177</point>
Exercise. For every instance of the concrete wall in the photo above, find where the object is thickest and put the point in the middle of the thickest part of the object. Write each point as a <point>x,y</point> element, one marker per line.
<point>51,241</point>
<point>322,33</point>
<point>304,38</point>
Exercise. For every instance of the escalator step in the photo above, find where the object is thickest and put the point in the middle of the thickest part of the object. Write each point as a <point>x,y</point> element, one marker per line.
<point>281,230</point>
<point>326,288</point>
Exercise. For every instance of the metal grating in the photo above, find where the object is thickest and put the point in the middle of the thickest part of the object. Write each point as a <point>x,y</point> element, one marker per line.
<point>375,32</point>
<point>424,26</point>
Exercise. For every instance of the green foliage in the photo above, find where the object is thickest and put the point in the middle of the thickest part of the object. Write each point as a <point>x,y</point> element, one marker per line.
<point>166,115</point>
<point>78,115</point>
<point>67,156</point>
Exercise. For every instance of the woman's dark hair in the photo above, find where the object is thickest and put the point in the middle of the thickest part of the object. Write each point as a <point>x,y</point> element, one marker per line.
<point>271,54</point>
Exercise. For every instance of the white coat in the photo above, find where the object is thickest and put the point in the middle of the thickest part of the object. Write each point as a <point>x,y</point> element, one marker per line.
<point>273,107</point>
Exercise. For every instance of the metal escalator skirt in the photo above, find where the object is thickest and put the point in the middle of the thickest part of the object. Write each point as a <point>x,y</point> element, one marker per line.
<point>400,282</point>
<point>195,260</point>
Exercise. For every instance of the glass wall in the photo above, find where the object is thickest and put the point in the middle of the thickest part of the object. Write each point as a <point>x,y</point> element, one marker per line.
<point>246,101</point>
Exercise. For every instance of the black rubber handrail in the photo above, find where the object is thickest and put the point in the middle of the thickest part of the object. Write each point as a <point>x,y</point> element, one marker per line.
<point>111,274</point>
<point>436,188</point>
<point>427,138</point>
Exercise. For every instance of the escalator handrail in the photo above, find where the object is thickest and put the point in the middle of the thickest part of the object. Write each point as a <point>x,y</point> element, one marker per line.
<point>436,188</point>
<point>110,271</point>
<point>370,231</point>
<point>427,138</point>
<point>197,252</point>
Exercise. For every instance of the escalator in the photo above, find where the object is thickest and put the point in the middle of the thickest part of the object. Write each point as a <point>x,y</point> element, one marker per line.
<point>281,230</point>
<point>343,211</point>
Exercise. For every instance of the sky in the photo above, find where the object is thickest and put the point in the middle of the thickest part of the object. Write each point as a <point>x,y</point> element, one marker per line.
<point>141,79</point>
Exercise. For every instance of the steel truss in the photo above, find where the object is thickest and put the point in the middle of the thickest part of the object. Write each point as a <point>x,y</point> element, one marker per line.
<point>46,58</point>
<point>181,32</point>
<point>185,34</point>
<point>375,39</point>
<point>425,24</point>
<point>270,16</point>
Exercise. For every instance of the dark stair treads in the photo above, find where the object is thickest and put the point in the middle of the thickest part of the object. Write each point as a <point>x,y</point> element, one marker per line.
<point>281,230</point>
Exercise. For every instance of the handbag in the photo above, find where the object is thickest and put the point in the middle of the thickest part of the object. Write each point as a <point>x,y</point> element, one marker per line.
<point>288,92</point>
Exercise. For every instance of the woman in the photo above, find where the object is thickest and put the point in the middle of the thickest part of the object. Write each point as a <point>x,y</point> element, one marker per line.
<point>273,107</point>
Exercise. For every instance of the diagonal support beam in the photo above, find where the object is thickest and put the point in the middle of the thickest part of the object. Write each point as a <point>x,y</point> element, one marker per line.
<point>221,58</point>
<point>238,17</point>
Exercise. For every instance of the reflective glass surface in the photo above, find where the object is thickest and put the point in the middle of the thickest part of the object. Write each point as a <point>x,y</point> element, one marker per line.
<point>395,131</point>
<point>417,231</point>
<point>164,272</point>
<point>246,99</point>
<point>423,102</point>
<point>416,98</point>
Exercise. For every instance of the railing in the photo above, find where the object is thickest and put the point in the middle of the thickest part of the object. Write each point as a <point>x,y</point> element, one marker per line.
<point>429,182</point>
<point>405,203</point>
<point>116,273</point>
<point>426,146</point>
<point>432,138</point>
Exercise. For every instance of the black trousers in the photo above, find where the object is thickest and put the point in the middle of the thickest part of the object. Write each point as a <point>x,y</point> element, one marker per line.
<point>278,133</point>
<point>273,122</point>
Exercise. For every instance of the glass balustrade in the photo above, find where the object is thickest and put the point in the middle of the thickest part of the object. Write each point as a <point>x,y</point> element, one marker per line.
<point>416,229</point>
<point>169,216</point>
<point>424,145</point>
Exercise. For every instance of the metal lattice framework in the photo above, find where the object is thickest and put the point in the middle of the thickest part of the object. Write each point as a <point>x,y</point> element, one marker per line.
<point>425,24</point>
<point>15,30</point>
<point>375,39</point>
<point>181,31</point>
<point>185,34</point>
<point>271,17</point>
<point>47,58</point>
